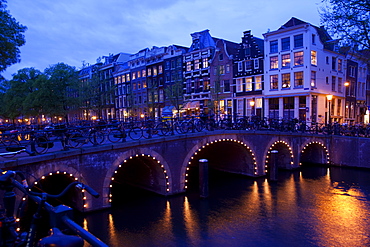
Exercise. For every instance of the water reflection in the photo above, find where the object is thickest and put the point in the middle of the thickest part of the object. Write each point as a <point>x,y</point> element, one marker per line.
<point>311,207</point>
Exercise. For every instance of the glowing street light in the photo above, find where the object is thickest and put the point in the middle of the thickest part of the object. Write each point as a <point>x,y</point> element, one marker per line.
<point>329,98</point>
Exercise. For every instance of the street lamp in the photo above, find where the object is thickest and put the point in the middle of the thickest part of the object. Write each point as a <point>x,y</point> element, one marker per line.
<point>252,103</point>
<point>329,98</point>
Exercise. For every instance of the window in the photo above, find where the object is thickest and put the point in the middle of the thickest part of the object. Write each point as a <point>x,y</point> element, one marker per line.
<point>188,66</point>
<point>327,80</point>
<point>339,84</point>
<point>333,82</point>
<point>313,39</point>
<point>227,68</point>
<point>221,57</point>
<point>239,84</point>
<point>313,58</point>
<point>298,58</point>
<point>155,71</point>
<point>285,61</point>
<point>139,74</point>
<point>298,41</point>
<point>226,86</point>
<point>196,64</point>
<point>334,63</point>
<point>274,82</point>
<point>274,108</point>
<point>127,77</point>
<point>143,73</point>
<point>256,63</point>
<point>258,83</point>
<point>285,78</point>
<point>339,107</point>
<point>205,63</point>
<point>248,84</point>
<point>313,78</point>
<point>160,69</point>
<point>133,75</point>
<point>285,44</point>
<point>149,71</point>
<point>248,65</point>
<point>327,60</point>
<point>274,62</point>
<point>274,46</point>
<point>222,69</point>
<point>298,79</point>
<point>340,65</point>
<point>288,107</point>
<point>240,66</point>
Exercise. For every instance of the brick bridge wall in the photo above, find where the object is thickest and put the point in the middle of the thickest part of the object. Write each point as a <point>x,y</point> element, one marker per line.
<point>162,164</point>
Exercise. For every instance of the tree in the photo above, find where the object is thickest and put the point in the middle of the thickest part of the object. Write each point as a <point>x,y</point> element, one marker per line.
<point>16,93</point>
<point>57,93</point>
<point>175,94</point>
<point>11,38</point>
<point>349,21</point>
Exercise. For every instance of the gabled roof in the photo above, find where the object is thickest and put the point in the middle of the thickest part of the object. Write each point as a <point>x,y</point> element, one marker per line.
<point>292,22</point>
<point>202,40</point>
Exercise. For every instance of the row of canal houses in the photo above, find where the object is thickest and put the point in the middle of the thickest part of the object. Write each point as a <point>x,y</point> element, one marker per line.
<point>297,71</point>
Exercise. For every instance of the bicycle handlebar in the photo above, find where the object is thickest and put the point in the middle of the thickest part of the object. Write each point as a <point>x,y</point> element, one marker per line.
<point>8,177</point>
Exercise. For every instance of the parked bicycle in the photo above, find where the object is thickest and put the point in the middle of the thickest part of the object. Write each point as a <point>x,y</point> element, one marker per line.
<point>59,216</point>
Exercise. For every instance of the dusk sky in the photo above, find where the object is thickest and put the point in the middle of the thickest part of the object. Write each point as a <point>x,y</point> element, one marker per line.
<point>72,31</point>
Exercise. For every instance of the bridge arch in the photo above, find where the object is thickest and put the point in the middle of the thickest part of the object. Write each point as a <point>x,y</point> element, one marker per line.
<point>56,181</point>
<point>284,159</point>
<point>156,169</point>
<point>314,152</point>
<point>239,154</point>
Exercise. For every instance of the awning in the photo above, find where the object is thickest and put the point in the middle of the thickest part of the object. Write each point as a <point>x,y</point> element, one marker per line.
<point>191,105</point>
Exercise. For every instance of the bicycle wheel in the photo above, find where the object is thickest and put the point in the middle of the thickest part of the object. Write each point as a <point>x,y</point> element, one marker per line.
<point>185,127</point>
<point>163,129</point>
<point>76,140</point>
<point>135,133</point>
<point>42,144</point>
<point>115,135</point>
<point>11,147</point>
<point>97,137</point>
<point>199,125</point>
<point>177,127</point>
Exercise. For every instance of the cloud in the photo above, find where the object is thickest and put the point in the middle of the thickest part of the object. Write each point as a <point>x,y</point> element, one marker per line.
<point>73,31</point>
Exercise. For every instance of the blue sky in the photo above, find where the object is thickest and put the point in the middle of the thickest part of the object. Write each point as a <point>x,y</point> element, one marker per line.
<point>72,31</point>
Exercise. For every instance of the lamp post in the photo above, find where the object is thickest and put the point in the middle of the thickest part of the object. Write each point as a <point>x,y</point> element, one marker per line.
<point>346,109</point>
<point>329,98</point>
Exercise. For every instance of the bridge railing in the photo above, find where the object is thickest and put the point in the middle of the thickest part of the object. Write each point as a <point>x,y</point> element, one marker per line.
<point>39,139</point>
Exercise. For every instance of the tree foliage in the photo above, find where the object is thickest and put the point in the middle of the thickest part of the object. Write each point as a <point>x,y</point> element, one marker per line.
<point>11,38</point>
<point>348,20</point>
<point>33,93</point>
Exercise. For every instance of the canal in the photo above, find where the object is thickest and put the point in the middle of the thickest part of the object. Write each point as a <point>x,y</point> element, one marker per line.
<point>313,206</point>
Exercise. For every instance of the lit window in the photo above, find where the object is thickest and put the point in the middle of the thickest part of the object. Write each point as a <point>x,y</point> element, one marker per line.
<point>274,62</point>
<point>205,63</point>
<point>248,84</point>
<point>298,58</point>
<point>258,83</point>
<point>154,70</point>
<point>285,78</point>
<point>285,61</point>
<point>188,66</point>
<point>313,58</point>
<point>274,81</point>
<point>313,78</point>
<point>298,79</point>
<point>196,64</point>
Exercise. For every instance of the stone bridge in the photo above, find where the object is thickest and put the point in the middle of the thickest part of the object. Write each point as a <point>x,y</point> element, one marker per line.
<point>164,165</point>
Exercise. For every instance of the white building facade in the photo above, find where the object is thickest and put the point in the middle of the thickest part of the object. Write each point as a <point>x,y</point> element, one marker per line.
<point>304,75</point>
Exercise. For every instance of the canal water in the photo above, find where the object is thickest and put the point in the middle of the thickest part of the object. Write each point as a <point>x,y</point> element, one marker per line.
<point>314,206</point>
